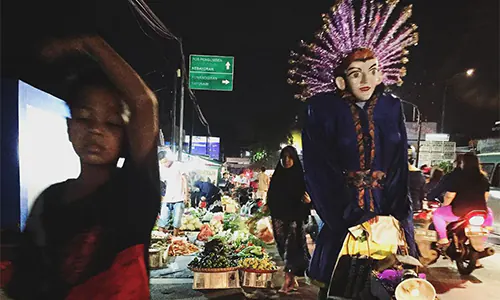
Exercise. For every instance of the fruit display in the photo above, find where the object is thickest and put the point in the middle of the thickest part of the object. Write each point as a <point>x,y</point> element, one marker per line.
<point>215,255</point>
<point>257,264</point>
<point>190,223</point>
<point>254,258</point>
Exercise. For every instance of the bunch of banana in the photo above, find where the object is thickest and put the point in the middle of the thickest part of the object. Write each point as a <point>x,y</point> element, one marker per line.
<point>252,263</point>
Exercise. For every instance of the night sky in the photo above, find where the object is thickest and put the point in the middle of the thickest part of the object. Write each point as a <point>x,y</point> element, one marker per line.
<point>454,36</point>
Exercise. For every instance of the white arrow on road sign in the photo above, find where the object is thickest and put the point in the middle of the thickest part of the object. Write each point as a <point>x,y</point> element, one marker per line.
<point>228,65</point>
<point>225,81</point>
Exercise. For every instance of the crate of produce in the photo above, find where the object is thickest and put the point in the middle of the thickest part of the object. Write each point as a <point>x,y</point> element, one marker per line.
<point>257,267</point>
<point>215,267</point>
<point>258,278</point>
<point>217,278</point>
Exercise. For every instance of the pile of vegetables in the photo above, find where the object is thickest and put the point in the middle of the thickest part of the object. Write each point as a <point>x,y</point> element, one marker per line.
<point>238,238</point>
<point>215,255</point>
<point>195,212</point>
<point>234,222</point>
<point>207,217</point>
<point>249,250</point>
<point>190,223</point>
<point>216,225</point>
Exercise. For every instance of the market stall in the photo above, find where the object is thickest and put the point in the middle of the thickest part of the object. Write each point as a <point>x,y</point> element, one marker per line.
<point>219,250</point>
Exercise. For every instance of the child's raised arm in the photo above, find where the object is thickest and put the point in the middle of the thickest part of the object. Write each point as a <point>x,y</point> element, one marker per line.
<point>142,129</point>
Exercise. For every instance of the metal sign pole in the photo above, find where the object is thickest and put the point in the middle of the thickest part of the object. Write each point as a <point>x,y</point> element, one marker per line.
<point>419,136</point>
<point>181,118</point>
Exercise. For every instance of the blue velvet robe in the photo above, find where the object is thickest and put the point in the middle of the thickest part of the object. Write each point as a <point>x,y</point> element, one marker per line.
<point>330,151</point>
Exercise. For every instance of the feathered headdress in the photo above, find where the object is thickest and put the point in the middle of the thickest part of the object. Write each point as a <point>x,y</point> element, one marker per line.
<point>342,33</point>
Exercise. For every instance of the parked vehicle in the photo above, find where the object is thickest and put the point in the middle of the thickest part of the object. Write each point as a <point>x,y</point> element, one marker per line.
<point>490,163</point>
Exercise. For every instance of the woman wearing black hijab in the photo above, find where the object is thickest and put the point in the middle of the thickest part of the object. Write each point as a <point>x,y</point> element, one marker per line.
<point>286,201</point>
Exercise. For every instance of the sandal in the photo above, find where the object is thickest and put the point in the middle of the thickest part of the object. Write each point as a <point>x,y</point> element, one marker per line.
<point>287,286</point>
<point>443,243</point>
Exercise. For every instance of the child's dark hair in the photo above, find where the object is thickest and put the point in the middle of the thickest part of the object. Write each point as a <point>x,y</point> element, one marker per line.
<point>94,77</point>
<point>78,83</point>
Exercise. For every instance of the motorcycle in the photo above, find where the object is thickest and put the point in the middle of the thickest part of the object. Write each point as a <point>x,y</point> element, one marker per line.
<point>467,238</point>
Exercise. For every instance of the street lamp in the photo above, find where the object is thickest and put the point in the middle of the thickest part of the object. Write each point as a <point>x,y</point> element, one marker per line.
<point>467,73</point>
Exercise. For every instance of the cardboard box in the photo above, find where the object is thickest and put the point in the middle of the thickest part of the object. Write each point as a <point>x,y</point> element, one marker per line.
<point>257,280</point>
<point>217,280</point>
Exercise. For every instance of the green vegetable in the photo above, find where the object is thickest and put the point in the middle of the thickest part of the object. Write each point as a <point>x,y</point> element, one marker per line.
<point>215,255</point>
<point>233,222</point>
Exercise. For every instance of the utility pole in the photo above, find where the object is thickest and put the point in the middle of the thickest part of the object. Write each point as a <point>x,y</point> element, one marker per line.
<point>192,131</point>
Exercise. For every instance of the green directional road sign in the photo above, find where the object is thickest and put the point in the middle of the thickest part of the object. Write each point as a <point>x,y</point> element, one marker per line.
<point>210,72</point>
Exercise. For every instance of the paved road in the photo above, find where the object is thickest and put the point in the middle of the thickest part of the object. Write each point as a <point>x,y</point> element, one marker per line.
<point>481,284</point>
<point>450,285</point>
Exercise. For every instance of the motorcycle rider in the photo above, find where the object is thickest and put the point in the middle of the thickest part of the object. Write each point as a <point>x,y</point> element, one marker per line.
<point>468,191</point>
<point>438,191</point>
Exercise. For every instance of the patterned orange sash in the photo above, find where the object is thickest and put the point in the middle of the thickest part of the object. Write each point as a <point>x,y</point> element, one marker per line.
<point>364,166</point>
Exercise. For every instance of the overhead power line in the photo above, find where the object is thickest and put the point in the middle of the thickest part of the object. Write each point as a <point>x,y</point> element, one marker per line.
<point>150,18</point>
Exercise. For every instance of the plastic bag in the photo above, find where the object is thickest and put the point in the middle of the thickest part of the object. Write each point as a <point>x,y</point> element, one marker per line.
<point>264,230</point>
<point>205,233</point>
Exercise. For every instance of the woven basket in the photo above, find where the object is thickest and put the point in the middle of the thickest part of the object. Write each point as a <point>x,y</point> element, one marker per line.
<point>259,271</point>
<point>213,270</point>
